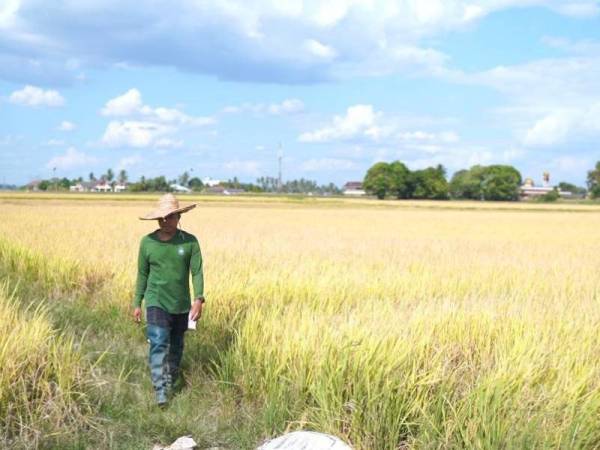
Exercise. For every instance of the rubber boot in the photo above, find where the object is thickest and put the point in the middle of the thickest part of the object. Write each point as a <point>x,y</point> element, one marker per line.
<point>159,338</point>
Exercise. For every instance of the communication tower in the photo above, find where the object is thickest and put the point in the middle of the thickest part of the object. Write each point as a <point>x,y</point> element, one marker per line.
<point>279,158</point>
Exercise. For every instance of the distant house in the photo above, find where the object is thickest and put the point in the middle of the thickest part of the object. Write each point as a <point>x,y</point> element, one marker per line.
<point>82,186</point>
<point>232,191</point>
<point>33,185</point>
<point>215,190</point>
<point>101,186</point>
<point>180,188</point>
<point>353,188</point>
<point>223,190</point>
<point>210,182</point>
<point>97,186</point>
<point>120,187</point>
<point>529,190</point>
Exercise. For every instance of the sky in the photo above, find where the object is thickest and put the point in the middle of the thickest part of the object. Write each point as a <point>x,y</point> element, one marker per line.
<point>221,88</point>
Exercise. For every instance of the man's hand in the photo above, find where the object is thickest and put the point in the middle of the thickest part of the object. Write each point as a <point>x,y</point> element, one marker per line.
<point>196,311</point>
<point>137,314</point>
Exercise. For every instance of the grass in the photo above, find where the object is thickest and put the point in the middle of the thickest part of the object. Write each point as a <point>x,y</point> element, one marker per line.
<point>42,379</point>
<point>114,408</point>
<point>391,327</point>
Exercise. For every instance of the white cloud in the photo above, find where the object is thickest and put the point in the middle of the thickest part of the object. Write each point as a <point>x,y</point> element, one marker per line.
<point>320,50</point>
<point>328,164</point>
<point>35,96</point>
<point>65,125</point>
<point>582,47</point>
<point>145,126</point>
<point>358,120</point>
<point>129,161</point>
<point>124,105</point>
<point>134,133</point>
<point>8,12</point>
<point>551,102</point>
<point>71,158</point>
<point>454,159</point>
<point>363,123</point>
<point>244,167</point>
<point>579,9</point>
<point>130,104</point>
<point>285,42</point>
<point>572,164</point>
<point>561,125</point>
<point>287,106</point>
<point>550,130</point>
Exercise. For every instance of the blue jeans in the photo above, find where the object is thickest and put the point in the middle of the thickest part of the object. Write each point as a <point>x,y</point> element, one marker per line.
<point>166,334</point>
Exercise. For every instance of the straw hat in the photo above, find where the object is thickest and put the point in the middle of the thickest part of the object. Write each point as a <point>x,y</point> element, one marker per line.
<point>166,205</point>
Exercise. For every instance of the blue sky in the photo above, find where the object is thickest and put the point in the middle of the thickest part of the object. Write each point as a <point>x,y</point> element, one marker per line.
<point>213,87</point>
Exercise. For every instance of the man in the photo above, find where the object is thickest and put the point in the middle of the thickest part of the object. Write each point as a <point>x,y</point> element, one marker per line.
<point>166,259</point>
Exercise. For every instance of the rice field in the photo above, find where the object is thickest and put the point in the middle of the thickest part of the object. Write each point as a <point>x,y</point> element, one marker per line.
<point>396,325</point>
<point>41,378</point>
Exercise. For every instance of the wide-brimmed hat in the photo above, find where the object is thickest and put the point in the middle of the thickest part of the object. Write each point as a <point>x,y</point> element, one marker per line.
<point>167,205</point>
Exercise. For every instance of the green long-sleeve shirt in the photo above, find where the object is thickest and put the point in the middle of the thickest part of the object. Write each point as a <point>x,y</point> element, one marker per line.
<point>164,268</point>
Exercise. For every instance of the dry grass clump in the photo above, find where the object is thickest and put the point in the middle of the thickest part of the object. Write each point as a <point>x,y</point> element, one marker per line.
<point>41,379</point>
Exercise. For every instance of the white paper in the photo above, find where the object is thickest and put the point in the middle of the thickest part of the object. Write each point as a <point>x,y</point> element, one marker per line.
<point>191,324</point>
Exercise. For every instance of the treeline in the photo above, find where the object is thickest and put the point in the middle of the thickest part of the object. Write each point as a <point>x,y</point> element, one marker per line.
<point>162,184</point>
<point>270,184</point>
<point>394,179</point>
<point>495,182</point>
<point>262,185</point>
<point>593,181</point>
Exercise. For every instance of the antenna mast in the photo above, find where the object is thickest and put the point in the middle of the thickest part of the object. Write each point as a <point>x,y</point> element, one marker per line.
<point>279,157</point>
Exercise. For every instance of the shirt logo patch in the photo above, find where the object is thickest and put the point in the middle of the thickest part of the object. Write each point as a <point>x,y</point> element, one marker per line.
<point>181,251</point>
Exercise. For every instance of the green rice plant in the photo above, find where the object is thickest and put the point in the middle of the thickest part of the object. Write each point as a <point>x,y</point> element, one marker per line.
<point>451,380</point>
<point>42,380</point>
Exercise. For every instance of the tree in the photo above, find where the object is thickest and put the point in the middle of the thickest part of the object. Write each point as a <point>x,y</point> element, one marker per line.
<point>593,181</point>
<point>379,180</point>
<point>184,179</point>
<point>401,179</point>
<point>110,175</point>
<point>497,182</point>
<point>64,183</point>
<point>501,182</point>
<point>122,176</point>
<point>550,196</point>
<point>430,183</point>
<point>466,184</point>
<point>573,189</point>
<point>150,184</point>
<point>267,184</point>
<point>91,176</point>
<point>159,184</point>
<point>195,184</point>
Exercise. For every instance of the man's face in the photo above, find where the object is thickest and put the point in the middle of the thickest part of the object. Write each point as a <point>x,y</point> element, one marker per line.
<point>169,223</point>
